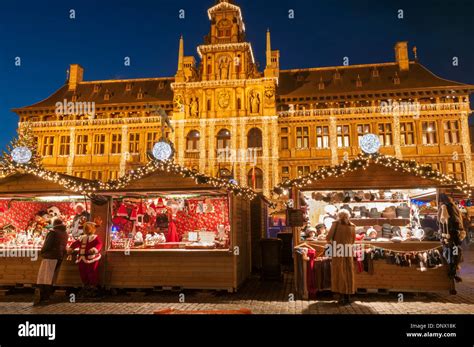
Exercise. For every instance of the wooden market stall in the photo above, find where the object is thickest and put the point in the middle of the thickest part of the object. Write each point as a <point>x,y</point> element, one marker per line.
<point>24,197</point>
<point>371,175</point>
<point>180,264</point>
<point>201,208</point>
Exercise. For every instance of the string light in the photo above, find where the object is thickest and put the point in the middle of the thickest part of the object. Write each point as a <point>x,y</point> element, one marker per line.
<point>87,187</point>
<point>362,161</point>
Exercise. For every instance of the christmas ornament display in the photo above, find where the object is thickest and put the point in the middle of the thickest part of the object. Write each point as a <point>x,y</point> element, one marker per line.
<point>370,143</point>
<point>162,150</point>
<point>21,155</point>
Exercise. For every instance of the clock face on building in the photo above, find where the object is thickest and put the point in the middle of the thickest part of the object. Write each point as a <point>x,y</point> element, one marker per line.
<point>21,155</point>
<point>162,150</point>
<point>370,143</point>
<point>224,23</point>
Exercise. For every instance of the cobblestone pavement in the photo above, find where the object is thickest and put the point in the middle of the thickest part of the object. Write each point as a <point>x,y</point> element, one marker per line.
<point>260,298</point>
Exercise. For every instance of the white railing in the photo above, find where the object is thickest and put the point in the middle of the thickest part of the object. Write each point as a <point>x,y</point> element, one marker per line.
<point>461,106</point>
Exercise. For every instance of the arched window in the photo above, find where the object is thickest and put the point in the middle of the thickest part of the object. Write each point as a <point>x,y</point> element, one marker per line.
<point>223,139</point>
<point>254,138</point>
<point>255,178</point>
<point>225,173</point>
<point>239,103</point>
<point>192,141</point>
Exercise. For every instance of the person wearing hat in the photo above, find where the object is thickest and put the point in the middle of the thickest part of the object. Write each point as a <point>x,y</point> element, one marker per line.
<point>52,252</point>
<point>321,231</point>
<point>88,257</point>
<point>342,233</point>
<point>311,234</point>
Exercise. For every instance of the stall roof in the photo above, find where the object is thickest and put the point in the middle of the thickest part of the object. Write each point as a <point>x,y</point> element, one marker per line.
<point>375,172</point>
<point>165,176</point>
<point>156,176</point>
<point>25,184</point>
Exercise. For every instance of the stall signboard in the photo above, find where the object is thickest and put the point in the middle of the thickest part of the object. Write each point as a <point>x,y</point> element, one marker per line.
<point>295,217</point>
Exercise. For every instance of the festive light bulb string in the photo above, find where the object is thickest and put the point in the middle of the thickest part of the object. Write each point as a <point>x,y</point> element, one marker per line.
<point>88,187</point>
<point>362,161</point>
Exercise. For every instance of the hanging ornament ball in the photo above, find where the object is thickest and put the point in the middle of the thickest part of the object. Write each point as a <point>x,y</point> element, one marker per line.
<point>21,155</point>
<point>162,150</point>
<point>370,143</point>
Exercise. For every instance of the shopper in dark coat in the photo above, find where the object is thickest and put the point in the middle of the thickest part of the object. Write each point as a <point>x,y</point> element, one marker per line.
<point>52,252</point>
<point>452,226</point>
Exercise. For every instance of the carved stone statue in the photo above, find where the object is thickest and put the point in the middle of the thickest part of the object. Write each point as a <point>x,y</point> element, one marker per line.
<point>224,68</point>
<point>254,102</point>
<point>194,107</point>
<point>165,119</point>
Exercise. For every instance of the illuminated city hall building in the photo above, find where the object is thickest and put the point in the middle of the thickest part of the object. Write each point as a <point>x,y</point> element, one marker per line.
<point>260,127</point>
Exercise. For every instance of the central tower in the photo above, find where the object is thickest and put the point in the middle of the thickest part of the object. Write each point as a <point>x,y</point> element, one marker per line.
<point>228,103</point>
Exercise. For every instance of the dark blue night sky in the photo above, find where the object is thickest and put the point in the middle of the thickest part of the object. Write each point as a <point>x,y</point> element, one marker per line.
<point>322,33</point>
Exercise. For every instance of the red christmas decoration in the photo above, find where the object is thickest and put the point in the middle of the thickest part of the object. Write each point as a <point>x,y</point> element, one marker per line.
<point>122,211</point>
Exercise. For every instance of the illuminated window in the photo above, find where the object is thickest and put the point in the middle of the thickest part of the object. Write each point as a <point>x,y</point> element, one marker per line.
<point>284,138</point>
<point>303,170</point>
<point>255,178</point>
<point>96,175</point>
<point>116,144</point>
<point>429,133</point>
<point>80,174</point>
<point>134,143</point>
<point>81,144</point>
<point>322,137</point>
<point>192,141</point>
<point>48,146</point>
<point>99,144</point>
<point>435,166</point>
<point>223,139</point>
<point>407,132</point>
<point>151,139</point>
<point>343,137</point>
<point>451,132</point>
<point>385,134</point>
<point>113,175</point>
<point>362,129</point>
<point>456,169</point>
<point>64,145</point>
<point>254,138</point>
<point>302,137</point>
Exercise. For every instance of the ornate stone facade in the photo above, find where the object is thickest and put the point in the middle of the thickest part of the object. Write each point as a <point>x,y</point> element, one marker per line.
<point>233,120</point>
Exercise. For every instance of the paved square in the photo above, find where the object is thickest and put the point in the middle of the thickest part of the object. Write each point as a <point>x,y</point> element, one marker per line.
<point>261,298</point>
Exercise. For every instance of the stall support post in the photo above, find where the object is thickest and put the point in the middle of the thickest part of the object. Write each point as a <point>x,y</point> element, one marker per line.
<point>102,211</point>
<point>296,236</point>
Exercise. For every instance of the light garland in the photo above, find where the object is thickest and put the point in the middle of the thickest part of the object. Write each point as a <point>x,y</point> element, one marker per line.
<point>362,161</point>
<point>92,187</point>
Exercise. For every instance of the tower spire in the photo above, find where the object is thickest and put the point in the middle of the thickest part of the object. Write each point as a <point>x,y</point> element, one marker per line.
<point>181,54</point>
<point>269,49</point>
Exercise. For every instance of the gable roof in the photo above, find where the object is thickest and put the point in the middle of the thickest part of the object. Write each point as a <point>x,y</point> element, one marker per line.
<point>153,89</point>
<point>305,82</point>
<point>155,174</point>
<point>378,172</point>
